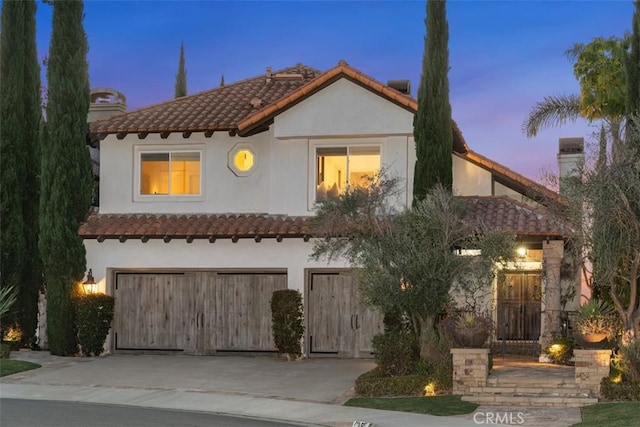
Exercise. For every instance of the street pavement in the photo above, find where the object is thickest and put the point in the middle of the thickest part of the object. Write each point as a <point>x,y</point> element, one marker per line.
<point>308,391</point>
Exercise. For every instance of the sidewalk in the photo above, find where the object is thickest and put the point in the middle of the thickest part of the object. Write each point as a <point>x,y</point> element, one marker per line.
<point>309,392</point>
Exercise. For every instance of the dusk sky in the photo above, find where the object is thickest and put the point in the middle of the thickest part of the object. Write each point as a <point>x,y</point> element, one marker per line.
<point>504,55</point>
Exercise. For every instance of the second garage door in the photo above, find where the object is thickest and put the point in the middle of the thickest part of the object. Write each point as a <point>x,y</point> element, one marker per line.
<point>195,312</point>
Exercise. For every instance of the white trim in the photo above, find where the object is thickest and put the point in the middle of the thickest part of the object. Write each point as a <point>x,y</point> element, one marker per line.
<point>137,152</point>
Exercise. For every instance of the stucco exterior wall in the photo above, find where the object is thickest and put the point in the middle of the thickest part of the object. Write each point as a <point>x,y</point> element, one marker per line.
<point>290,254</point>
<point>344,108</point>
<point>469,179</point>
<point>222,190</point>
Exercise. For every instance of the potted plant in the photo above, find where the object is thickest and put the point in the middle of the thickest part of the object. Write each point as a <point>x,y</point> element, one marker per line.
<point>468,328</point>
<point>595,323</point>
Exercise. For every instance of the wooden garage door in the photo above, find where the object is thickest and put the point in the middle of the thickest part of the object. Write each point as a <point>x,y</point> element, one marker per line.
<point>241,320</point>
<point>195,312</point>
<point>338,323</point>
<point>153,311</point>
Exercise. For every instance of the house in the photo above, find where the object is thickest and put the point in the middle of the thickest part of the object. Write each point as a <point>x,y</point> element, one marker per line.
<point>206,200</point>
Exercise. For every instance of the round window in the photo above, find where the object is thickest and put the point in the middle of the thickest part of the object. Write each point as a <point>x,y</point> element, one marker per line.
<point>242,159</point>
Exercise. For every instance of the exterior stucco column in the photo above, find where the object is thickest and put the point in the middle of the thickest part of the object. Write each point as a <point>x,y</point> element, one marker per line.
<point>552,254</point>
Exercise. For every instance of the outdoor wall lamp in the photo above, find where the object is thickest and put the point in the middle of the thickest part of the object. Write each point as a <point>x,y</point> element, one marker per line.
<point>89,285</point>
<point>522,252</point>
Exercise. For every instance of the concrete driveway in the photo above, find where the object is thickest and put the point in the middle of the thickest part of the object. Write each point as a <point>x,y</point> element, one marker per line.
<point>312,380</point>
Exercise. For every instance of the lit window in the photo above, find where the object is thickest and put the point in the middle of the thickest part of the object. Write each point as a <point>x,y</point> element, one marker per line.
<point>337,168</point>
<point>170,173</point>
<point>242,159</point>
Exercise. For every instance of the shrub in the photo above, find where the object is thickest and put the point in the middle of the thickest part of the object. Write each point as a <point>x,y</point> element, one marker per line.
<point>560,350</point>
<point>374,383</point>
<point>619,391</point>
<point>5,350</point>
<point>628,361</point>
<point>395,352</point>
<point>287,322</point>
<point>438,359</point>
<point>94,313</point>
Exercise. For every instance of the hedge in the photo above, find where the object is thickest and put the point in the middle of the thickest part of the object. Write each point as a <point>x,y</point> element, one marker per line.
<point>287,322</point>
<point>375,384</point>
<point>94,313</point>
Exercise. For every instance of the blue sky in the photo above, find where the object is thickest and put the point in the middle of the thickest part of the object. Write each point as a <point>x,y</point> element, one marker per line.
<point>504,55</point>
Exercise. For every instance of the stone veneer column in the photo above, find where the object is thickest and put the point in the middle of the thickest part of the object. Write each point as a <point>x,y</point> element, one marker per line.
<point>470,369</point>
<point>591,367</point>
<point>552,254</point>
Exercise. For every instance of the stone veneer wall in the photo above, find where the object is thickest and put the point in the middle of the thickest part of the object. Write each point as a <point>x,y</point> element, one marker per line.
<point>591,367</point>
<point>470,369</point>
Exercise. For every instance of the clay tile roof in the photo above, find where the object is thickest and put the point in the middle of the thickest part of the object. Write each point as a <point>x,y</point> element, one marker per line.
<point>248,105</point>
<point>498,213</point>
<point>216,109</point>
<point>111,226</point>
<point>506,214</point>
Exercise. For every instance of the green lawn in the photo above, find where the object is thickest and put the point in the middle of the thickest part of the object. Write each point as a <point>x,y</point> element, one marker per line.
<point>435,405</point>
<point>622,414</point>
<point>10,367</point>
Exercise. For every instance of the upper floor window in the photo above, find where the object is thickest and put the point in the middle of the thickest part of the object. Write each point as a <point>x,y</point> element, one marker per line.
<point>337,168</point>
<point>170,173</point>
<point>242,159</point>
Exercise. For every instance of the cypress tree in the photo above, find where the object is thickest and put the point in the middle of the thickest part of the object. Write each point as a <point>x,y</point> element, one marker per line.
<point>32,271</point>
<point>181,77</point>
<point>21,116</point>
<point>632,69</point>
<point>12,151</point>
<point>432,123</point>
<point>66,172</point>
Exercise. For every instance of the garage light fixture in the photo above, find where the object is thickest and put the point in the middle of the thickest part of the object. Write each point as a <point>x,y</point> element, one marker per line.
<point>89,285</point>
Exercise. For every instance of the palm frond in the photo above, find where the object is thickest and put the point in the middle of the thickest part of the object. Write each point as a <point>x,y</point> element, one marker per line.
<point>552,111</point>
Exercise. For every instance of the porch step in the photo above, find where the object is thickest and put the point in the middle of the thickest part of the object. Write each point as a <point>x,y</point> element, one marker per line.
<point>521,390</point>
<point>530,392</point>
<point>539,401</point>
<point>537,383</point>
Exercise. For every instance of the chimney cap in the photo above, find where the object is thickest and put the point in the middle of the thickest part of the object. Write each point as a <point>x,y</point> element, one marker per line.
<point>571,145</point>
<point>403,86</point>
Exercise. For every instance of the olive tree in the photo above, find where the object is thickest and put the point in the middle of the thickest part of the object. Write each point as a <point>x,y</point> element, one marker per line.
<point>604,203</point>
<point>408,260</point>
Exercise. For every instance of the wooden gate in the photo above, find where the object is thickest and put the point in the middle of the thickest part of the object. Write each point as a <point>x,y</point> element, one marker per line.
<point>519,309</point>
<point>338,323</point>
<point>195,312</point>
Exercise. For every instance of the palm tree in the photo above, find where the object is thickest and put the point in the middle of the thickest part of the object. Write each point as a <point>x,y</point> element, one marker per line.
<point>599,68</point>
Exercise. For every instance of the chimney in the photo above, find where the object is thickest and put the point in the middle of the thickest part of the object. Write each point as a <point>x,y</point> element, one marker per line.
<point>570,157</point>
<point>268,74</point>
<point>105,102</point>
<point>402,86</point>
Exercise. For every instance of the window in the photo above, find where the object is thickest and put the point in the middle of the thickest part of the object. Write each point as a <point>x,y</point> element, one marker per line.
<point>242,159</point>
<point>175,173</point>
<point>337,168</point>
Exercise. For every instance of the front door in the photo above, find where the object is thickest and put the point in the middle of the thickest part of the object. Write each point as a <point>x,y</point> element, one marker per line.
<point>338,323</point>
<point>519,306</point>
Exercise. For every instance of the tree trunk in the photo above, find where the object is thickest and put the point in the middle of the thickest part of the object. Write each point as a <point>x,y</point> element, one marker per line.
<point>426,324</point>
